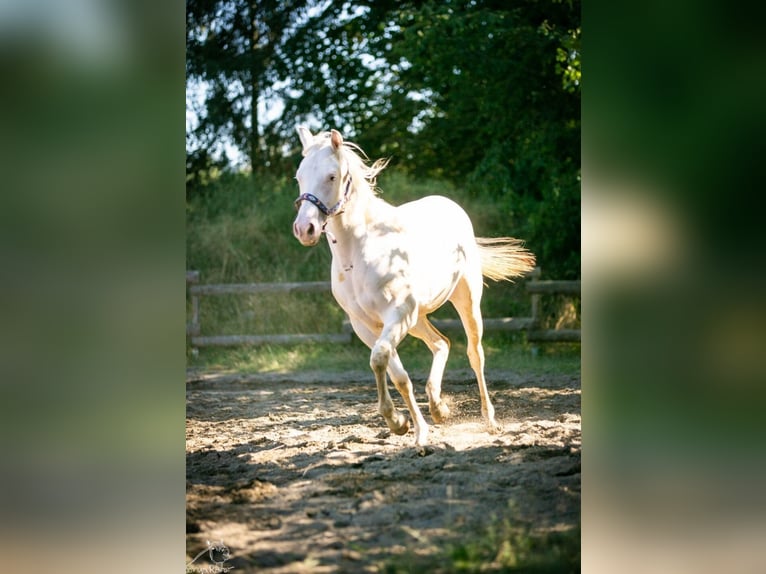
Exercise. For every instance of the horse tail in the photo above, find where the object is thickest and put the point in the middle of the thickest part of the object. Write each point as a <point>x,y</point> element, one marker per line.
<point>503,258</point>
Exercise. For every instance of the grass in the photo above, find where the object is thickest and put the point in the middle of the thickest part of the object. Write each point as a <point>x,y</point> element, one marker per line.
<point>503,352</point>
<point>497,548</point>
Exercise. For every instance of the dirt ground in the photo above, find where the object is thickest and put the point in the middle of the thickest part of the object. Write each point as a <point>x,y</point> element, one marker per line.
<point>299,473</point>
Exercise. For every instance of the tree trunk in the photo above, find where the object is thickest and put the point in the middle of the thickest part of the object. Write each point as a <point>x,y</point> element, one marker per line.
<point>255,155</point>
<point>256,163</point>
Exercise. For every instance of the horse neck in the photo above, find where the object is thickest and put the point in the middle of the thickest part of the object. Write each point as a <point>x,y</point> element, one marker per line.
<point>349,228</point>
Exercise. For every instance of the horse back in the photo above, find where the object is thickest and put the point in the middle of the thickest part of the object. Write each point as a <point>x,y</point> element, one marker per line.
<point>437,225</point>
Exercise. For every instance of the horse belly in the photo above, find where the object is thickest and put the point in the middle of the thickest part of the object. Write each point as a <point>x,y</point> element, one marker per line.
<point>437,267</point>
<point>434,284</point>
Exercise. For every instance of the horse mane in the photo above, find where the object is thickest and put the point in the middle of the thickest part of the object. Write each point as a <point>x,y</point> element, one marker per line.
<point>361,171</point>
<point>364,174</point>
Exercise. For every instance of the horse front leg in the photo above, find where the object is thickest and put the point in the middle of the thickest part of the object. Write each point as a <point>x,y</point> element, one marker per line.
<point>380,357</point>
<point>384,359</point>
<point>395,420</point>
<point>404,385</point>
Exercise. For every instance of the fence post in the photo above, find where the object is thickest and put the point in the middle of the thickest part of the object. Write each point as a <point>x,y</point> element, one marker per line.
<point>535,300</point>
<point>193,329</point>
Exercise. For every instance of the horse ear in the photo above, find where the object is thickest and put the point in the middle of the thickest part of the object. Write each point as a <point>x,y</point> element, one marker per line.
<point>307,140</point>
<point>336,140</point>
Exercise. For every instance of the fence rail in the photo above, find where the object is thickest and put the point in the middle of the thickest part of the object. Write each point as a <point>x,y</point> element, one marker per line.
<point>553,287</point>
<point>255,288</point>
<point>257,340</point>
<point>531,325</point>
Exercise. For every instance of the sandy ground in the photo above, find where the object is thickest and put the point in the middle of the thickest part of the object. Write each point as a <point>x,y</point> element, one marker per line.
<point>299,473</point>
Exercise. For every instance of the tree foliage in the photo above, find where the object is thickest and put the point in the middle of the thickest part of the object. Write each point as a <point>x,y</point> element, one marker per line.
<point>502,112</point>
<point>231,47</point>
<point>484,93</point>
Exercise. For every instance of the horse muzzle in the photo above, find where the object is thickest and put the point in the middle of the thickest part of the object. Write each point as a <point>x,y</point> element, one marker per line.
<point>307,232</point>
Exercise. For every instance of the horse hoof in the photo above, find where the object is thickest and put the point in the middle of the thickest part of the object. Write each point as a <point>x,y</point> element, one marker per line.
<point>439,413</point>
<point>424,450</point>
<point>493,427</point>
<point>402,428</point>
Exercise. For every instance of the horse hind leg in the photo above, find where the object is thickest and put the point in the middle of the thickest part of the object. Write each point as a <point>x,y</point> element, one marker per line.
<point>466,299</point>
<point>439,345</point>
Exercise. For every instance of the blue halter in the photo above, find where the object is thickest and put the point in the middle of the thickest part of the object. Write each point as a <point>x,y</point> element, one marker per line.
<point>329,212</point>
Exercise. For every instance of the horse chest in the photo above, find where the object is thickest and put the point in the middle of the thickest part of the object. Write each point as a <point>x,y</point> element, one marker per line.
<point>345,294</point>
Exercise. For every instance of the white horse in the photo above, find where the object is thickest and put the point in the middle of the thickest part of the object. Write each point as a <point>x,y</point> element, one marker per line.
<point>392,266</point>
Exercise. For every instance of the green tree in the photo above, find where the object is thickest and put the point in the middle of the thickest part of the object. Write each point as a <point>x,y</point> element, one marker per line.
<point>230,54</point>
<point>502,87</point>
<point>337,74</point>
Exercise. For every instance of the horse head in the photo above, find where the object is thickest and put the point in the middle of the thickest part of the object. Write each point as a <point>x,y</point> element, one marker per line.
<point>324,181</point>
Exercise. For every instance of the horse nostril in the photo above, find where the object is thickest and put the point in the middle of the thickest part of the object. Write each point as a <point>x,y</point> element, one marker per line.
<point>310,230</point>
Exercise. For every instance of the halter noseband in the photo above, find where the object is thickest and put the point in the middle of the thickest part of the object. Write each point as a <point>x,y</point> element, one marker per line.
<point>328,212</point>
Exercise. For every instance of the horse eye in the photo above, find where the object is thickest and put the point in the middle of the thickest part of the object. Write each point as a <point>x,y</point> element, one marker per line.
<point>332,177</point>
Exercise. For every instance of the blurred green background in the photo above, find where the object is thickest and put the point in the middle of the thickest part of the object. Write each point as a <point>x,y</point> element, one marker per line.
<point>95,205</point>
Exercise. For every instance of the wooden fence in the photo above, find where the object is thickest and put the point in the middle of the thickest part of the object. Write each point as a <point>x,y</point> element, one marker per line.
<point>531,325</point>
